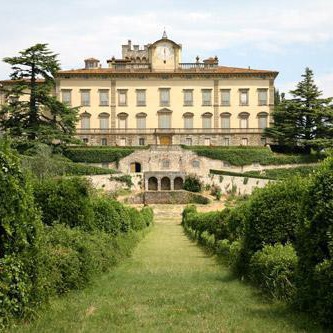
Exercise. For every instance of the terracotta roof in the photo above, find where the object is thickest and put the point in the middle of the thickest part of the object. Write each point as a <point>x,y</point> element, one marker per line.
<point>6,82</point>
<point>218,70</point>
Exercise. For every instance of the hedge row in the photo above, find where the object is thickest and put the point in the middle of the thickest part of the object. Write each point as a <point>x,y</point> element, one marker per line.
<point>56,236</point>
<point>280,239</point>
<point>97,154</point>
<point>240,156</point>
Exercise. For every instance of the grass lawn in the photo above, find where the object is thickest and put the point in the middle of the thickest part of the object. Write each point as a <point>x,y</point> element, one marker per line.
<point>169,285</point>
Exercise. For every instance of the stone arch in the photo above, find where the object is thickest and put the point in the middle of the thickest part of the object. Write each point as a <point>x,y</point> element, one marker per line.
<point>152,184</point>
<point>178,183</point>
<point>165,184</point>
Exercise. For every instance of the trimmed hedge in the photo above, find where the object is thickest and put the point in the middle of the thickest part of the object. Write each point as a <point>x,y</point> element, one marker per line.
<point>76,241</point>
<point>240,156</point>
<point>315,247</point>
<point>257,241</point>
<point>273,270</point>
<point>97,154</point>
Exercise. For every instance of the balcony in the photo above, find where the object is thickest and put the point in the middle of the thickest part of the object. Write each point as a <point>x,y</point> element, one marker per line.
<point>171,131</point>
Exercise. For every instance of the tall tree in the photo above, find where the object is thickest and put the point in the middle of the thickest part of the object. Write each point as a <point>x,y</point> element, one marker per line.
<point>304,120</point>
<point>32,110</point>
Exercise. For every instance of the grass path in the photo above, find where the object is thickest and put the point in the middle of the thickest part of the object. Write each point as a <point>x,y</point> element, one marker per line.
<point>169,285</point>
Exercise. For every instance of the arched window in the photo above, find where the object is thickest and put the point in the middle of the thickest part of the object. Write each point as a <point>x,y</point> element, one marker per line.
<point>262,120</point>
<point>165,184</point>
<point>196,164</point>
<point>178,183</point>
<point>85,120</point>
<point>104,120</point>
<point>244,120</point>
<point>122,120</point>
<point>152,184</point>
<point>188,120</point>
<point>165,164</point>
<point>207,120</point>
<point>225,120</point>
<point>141,120</point>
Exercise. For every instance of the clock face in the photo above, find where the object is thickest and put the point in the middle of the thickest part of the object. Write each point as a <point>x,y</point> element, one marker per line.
<point>164,51</point>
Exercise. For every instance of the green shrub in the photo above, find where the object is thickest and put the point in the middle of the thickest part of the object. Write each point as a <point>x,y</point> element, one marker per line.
<point>127,179</point>
<point>315,246</point>
<point>273,270</point>
<point>107,214</point>
<point>192,183</point>
<point>20,230</point>
<point>272,216</point>
<point>207,239</point>
<point>97,154</point>
<point>248,155</point>
<point>65,201</point>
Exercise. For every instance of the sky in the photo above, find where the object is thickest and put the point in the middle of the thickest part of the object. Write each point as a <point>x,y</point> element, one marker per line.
<point>282,35</point>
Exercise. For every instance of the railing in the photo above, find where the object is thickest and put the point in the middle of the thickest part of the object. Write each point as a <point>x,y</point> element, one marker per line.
<point>171,131</point>
<point>132,67</point>
<point>196,66</point>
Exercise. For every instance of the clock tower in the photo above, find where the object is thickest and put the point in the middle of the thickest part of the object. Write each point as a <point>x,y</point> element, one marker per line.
<point>165,55</point>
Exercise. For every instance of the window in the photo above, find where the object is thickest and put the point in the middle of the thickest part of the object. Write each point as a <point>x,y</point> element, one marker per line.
<point>85,120</point>
<point>226,141</point>
<point>141,120</point>
<point>225,97</point>
<point>122,97</point>
<point>122,120</point>
<point>263,141</point>
<point>188,141</point>
<point>207,141</point>
<point>225,120</point>
<point>66,96</point>
<point>141,141</point>
<point>85,97</point>
<point>188,120</point>
<point>244,97</point>
<point>164,96</point>
<point>122,142</point>
<point>164,120</point>
<point>141,97</point>
<point>85,140</point>
<point>104,142</point>
<point>244,120</point>
<point>262,120</point>
<point>245,141</point>
<point>165,164</point>
<point>104,97</point>
<point>206,97</point>
<point>188,97</point>
<point>262,96</point>
<point>207,120</point>
<point>104,120</point>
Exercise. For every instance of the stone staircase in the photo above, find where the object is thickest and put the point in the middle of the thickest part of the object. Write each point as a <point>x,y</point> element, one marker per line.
<point>167,214</point>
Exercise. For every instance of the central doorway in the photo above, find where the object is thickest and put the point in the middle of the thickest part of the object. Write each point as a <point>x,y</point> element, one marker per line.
<point>165,140</point>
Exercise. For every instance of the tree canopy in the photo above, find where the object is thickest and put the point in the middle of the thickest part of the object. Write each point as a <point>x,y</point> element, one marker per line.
<point>304,120</point>
<point>32,110</point>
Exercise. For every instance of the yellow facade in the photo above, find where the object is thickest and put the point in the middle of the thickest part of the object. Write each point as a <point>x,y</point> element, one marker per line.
<point>151,97</point>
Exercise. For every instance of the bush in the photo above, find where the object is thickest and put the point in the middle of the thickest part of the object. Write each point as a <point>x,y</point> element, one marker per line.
<point>192,183</point>
<point>248,155</point>
<point>97,154</point>
<point>20,229</point>
<point>65,201</point>
<point>272,216</point>
<point>315,246</point>
<point>273,270</point>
